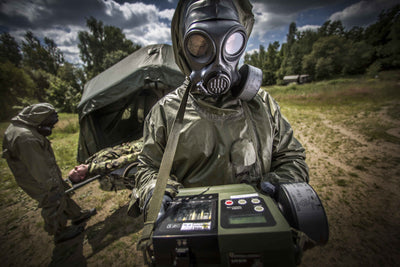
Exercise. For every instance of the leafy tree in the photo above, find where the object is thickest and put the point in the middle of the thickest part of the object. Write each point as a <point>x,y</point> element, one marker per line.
<point>64,89</point>
<point>267,61</point>
<point>9,49</point>
<point>388,46</point>
<point>324,68</point>
<point>72,75</point>
<point>99,47</point>
<point>358,57</point>
<point>355,34</point>
<point>295,59</point>
<point>330,28</point>
<point>62,94</point>
<point>36,55</point>
<point>16,89</point>
<point>113,57</point>
<point>273,58</point>
<point>308,64</point>
<point>257,58</point>
<point>378,33</point>
<point>41,81</point>
<point>326,51</point>
<point>273,62</point>
<point>291,36</point>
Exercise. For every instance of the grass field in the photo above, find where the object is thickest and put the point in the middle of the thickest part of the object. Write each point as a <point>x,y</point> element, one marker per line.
<point>350,128</point>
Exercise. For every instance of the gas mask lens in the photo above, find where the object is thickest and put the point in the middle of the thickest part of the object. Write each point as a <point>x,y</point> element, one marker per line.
<point>198,45</point>
<point>234,44</point>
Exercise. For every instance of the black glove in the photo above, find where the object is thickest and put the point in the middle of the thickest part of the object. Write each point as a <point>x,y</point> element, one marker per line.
<point>268,188</point>
<point>164,205</point>
<point>268,184</point>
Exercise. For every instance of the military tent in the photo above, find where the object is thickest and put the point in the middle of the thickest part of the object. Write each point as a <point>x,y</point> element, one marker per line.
<point>115,102</point>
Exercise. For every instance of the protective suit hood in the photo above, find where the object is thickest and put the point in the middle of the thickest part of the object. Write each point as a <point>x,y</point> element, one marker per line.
<point>246,18</point>
<point>35,114</point>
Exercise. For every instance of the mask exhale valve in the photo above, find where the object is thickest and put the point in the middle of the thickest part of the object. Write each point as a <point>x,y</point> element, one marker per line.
<point>219,84</point>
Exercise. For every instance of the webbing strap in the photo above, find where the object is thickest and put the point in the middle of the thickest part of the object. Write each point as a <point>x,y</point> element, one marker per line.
<point>163,174</point>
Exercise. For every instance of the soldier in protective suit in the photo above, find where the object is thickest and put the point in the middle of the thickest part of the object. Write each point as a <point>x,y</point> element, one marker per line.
<point>232,131</point>
<point>31,159</point>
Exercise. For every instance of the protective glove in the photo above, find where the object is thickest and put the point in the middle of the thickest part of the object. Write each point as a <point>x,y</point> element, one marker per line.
<point>268,188</point>
<point>164,205</point>
<point>270,182</point>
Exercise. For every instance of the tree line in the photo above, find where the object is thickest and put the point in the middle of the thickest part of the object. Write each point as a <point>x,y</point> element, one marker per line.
<point>332,51</point>
<point>36,71</point>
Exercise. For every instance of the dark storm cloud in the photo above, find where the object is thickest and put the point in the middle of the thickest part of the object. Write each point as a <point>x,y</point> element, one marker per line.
<point>294,6</point>
<point>45,14</point>
<point>274,16</point>
<point>148,21</point>
<point>143,23</point>
<point>362,13</point>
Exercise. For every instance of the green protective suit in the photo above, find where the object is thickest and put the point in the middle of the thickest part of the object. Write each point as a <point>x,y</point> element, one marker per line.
<point>31,159</point>
<point>224,140</point>
<point>112,158</point>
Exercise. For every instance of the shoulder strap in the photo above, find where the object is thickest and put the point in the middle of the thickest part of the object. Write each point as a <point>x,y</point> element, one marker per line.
<point>163,174</point>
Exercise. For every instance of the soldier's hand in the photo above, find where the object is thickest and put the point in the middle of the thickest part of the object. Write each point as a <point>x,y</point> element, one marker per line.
<point>164,205</point>
<point>268,188</point>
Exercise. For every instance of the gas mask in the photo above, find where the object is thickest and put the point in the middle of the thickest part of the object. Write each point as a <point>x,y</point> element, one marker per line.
<point>46,127</point>
<point>213,48</point>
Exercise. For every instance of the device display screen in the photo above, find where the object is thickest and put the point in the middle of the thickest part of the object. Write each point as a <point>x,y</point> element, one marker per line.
<point>196,211</point>
<point>247,219</point>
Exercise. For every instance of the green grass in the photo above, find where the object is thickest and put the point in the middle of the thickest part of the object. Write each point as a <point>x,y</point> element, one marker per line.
<point>344,91</point>
<point>353,102</point>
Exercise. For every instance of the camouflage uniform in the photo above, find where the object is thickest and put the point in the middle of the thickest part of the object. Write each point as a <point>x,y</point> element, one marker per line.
<point>111,158</point>
<point>32,161</point>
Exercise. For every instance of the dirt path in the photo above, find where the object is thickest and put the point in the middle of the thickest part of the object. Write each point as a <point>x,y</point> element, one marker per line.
<point>359,184</point>
<point>358,181</point>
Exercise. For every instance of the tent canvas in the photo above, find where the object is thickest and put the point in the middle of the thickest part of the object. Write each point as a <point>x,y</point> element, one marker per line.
<point>115,102</point>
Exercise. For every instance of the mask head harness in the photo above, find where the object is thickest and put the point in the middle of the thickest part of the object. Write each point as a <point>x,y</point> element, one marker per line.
<point>214,41</point>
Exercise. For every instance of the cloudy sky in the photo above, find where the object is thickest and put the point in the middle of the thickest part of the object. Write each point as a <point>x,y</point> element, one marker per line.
<point>148,21</point>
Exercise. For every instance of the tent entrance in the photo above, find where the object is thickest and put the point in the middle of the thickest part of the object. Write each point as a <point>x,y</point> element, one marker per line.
<point>114,104</point>
<point>122,121</point>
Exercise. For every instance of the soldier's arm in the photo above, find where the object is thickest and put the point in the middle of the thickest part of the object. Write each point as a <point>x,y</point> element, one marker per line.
<point>108,166</point>
<point>288,155</point>
<point>154,142</point>
<point>39,162</point>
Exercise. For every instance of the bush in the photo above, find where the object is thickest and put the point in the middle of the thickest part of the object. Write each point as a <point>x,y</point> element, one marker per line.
<point>324,68</point>
<point>16,89</point>
<point>374,69</point>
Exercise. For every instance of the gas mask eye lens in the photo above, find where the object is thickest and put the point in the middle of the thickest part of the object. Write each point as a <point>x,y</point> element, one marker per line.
<point>234,43</point>
<point>198,45</point>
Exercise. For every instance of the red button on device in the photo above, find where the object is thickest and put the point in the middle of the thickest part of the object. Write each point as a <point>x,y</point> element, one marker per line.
<point>228,202</point>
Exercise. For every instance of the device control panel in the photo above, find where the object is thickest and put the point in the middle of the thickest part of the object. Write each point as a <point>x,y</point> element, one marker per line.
<point>249,210</point>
